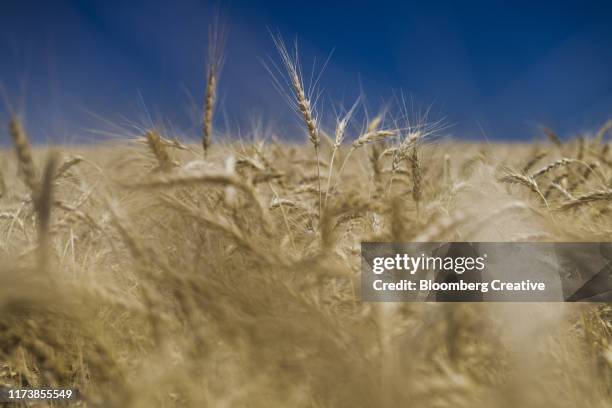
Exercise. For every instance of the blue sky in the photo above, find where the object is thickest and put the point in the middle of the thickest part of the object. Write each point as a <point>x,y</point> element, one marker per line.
<point>494,68</point>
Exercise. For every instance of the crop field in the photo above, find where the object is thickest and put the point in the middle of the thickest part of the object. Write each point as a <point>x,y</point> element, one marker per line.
<point>152,272</point>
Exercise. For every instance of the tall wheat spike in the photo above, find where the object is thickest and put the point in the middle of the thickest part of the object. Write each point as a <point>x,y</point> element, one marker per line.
<point>417,176</point>
<point>216,45</point>
<point>302,102</point>
<point>23,151</point>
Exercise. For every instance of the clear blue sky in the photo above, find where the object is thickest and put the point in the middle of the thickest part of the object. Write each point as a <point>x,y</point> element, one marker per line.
<point>498,67</point>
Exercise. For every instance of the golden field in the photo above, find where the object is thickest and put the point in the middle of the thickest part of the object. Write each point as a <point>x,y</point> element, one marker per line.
<point>145,275</point>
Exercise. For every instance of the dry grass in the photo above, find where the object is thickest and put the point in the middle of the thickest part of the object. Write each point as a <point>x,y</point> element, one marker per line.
<point>147,277</point>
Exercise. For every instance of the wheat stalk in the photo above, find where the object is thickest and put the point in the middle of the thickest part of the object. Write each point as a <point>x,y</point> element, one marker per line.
<point>339,138</point>
<point>73,209</point>
<point>66,165</point>
<point>557,180</point>
<point>448,176</point>
<point>515,178</point>
<point>301,102</point>
<point>417,177</point>
<point>401,153</point>
<point>601,195</point>
<point>216,45</point>
<point>223,225</point>
<point>537,156</point>
<point>581,148</point>
<point>23,151</point>
<point>377,166</point>
<point>43,202</point>
<point>219,178</point>
<point>527,181</point>
<point>372,135</point>
<point>552,136</point>
<point>554,165</point>
<point>301,99</point>
<point>562,190</point>
<point>159,151</point>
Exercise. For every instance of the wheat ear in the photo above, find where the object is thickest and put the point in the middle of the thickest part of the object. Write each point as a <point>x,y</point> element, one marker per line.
<point>417,177</point>
<point>552,136</point>
<point>23,151</point>
<point>371,135</point>
<point>527,181</point>
<point>586,199</point>
<point>159,150</point>
<point>66,165</point>
<point>556,164</point>
<point>377,170</point>
<point>302,103</point>
<point>216,45</point>
<point>339,137</point>
<point>536,157</point>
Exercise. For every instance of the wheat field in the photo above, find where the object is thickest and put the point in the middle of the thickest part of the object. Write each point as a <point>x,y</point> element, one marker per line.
<point>152,272</point>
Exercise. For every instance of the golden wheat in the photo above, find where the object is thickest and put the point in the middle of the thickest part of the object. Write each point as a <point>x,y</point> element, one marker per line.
<point>227,282</point>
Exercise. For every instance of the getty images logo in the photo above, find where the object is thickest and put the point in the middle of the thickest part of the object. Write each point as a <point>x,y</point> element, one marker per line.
<point>412,264</point>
